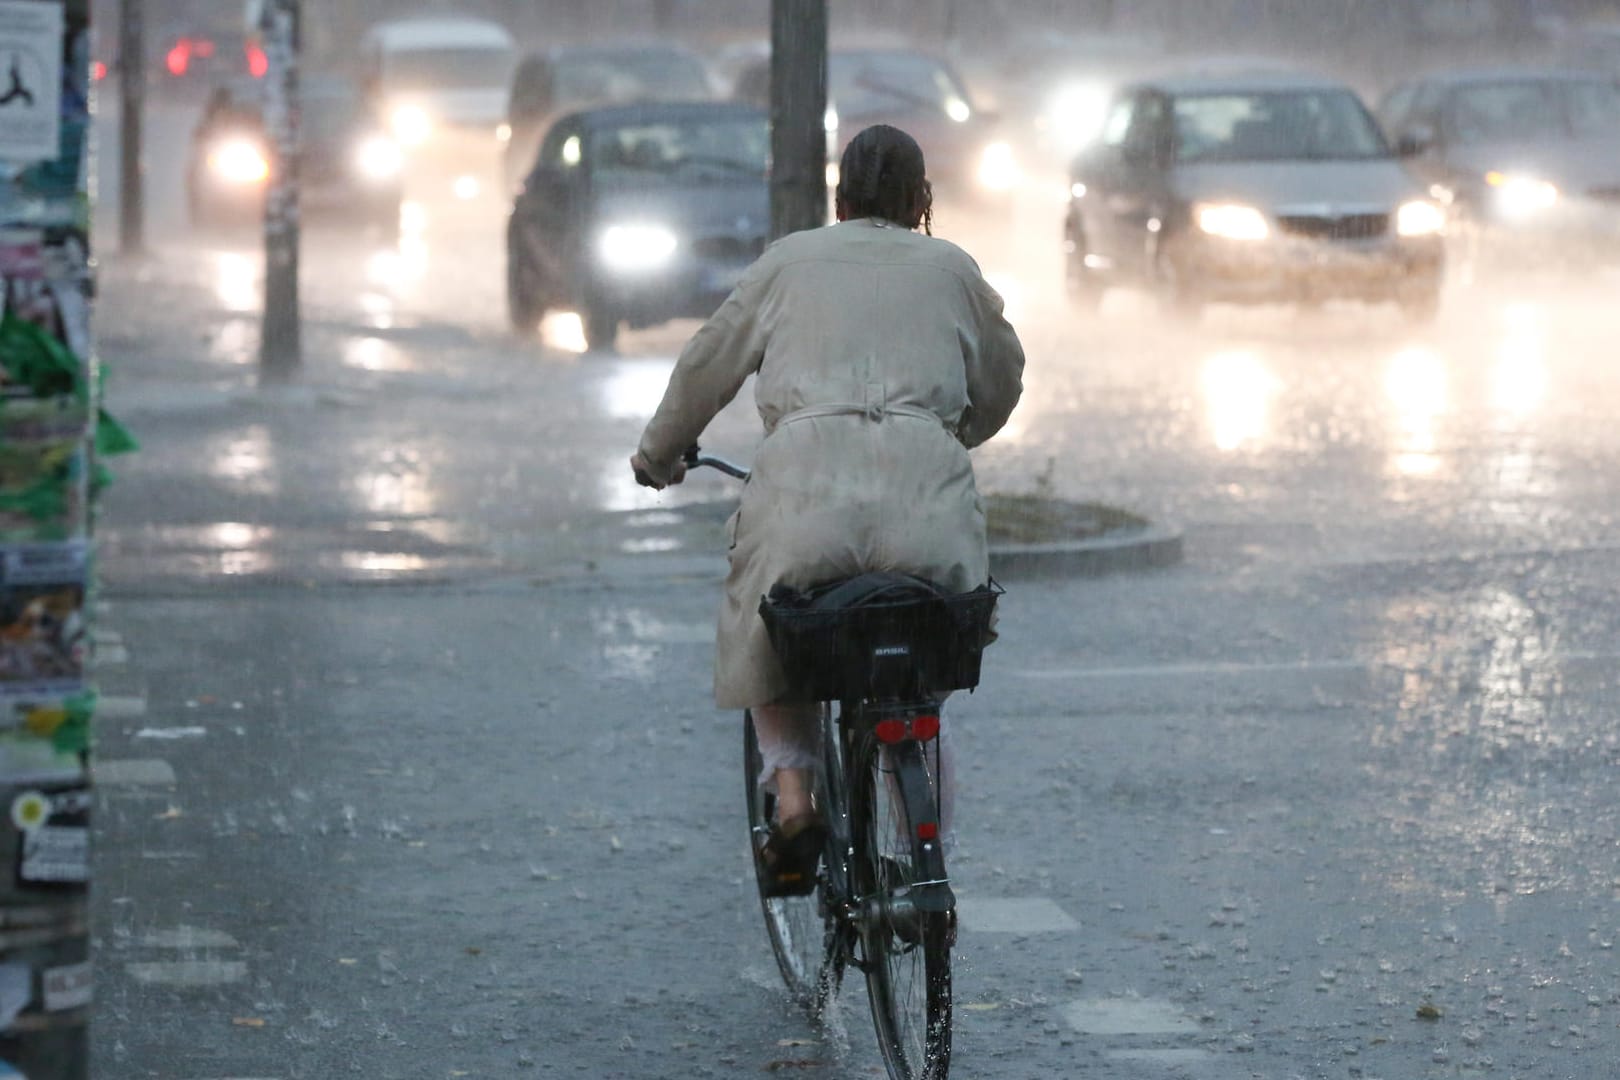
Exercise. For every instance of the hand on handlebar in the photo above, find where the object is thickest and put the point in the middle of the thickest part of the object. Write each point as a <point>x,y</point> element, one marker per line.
<point>643,471</point>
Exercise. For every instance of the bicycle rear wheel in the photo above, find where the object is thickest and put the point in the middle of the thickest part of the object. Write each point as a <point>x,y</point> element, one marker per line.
<point>906,951</point>
<point>802,929</point>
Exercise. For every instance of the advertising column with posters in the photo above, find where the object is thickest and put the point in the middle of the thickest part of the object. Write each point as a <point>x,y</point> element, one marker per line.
<point>53,441</point>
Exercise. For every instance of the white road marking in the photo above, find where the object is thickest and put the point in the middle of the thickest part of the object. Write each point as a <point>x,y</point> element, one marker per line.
<point>171,733</point>
<point>102,635</point>
<point>1015,915</point>
<point>1128,1016</point>
<point>1173,670</point>
<point>188,937</point>
<point>115,707</point>
<point>133,772</point>
<point>188,974</point>
<point>1171,1057</point>
<point>111,656</point>
<point>650,628</point>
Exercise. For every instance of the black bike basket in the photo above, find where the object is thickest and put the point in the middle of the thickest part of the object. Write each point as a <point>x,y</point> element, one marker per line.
<point>879,635</point>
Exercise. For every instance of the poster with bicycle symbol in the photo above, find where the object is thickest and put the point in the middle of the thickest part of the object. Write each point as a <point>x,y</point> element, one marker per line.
<point>30,81</point>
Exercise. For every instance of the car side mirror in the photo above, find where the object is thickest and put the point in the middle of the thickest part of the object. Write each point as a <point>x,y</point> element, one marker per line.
<point>1415,141</point>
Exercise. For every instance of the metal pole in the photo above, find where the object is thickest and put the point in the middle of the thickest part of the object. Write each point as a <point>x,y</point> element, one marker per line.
<point>131,113</point>
<point>280,348</point>
<point>798,111</point>
<point>45,797</point>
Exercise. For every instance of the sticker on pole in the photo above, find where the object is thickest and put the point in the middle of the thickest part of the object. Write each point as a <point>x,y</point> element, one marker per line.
<point>42,623</point>
<point>54,848</point>
<point>70,987</point>
<point>30,81</point>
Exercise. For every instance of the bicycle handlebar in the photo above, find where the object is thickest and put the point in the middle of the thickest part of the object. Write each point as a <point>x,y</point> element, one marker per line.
<point>696,459</point>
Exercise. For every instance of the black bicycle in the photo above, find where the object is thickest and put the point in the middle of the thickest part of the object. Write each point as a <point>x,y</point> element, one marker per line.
<point>886,648</point>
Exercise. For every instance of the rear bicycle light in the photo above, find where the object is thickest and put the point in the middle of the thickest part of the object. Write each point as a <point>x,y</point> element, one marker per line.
<point>894,730</point>
<point>890,731</point>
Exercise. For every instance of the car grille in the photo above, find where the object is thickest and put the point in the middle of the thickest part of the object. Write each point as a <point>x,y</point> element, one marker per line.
<point>729,248</point>
<point>1336,227</point>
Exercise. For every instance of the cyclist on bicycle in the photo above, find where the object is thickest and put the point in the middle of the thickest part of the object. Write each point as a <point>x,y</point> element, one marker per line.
<point>882,357</point>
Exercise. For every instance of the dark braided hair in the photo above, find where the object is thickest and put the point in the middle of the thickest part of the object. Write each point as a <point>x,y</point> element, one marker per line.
<point>882,175</point>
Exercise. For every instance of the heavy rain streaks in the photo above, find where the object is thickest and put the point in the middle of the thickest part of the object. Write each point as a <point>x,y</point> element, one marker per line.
<point>415,769</point>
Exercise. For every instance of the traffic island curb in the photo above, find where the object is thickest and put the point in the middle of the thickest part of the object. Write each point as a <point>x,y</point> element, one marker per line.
<point>1031,536</point>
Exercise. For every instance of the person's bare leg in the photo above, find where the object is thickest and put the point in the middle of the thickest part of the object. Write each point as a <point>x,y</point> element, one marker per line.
<point>789,746</point>
<point>793,793</point>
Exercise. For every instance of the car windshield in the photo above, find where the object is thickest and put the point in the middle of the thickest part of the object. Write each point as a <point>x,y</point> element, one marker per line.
<point>1505,112</point>
<point>418,70</point>
<point>1534,109</point>
<point>630,77</point>
<point>685,150</point>
<point>329,110</point>
<point>1292,125</point>
<point>861,84</point>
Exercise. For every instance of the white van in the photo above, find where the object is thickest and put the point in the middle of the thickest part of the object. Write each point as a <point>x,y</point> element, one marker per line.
<point>432,73</point>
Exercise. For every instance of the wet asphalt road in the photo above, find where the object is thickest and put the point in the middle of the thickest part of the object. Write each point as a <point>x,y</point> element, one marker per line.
<point>409,768</point>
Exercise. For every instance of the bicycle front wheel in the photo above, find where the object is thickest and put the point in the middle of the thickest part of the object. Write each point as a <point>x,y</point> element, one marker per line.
<point>906,951</point>
<point>802,929</point>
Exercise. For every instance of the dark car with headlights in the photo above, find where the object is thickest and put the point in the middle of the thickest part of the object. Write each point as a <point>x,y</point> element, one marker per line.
<point>350,166</point>
<point>569,77</point>
<point>638,215</point>
<point>189,59</point>
<point>967,152</point>
<point>1250,188</point>
<point>1528,157</point>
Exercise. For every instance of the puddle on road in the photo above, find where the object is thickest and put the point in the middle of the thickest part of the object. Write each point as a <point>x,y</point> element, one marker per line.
<point>365,552</point>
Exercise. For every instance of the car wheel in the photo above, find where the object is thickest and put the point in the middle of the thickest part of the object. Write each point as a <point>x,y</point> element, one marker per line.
<point>523,307</point>
<point>386,219</point>
<point>1420,306</point>
<point>199,212</point>
<point>601,329</point>
<point>1178,297</point>
<point>1085,287</point>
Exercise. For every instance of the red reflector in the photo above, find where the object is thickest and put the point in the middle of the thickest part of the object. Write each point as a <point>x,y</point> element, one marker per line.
<point>890,731</point>
<point>924,728</point>
<point>258,63</point>
<point>179,58</point>
<point>928,830</point>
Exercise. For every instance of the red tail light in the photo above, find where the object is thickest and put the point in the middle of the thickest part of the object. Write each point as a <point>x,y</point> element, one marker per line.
<point>890,731</point>
<point>258,63</point>
<point>179,58</point>
<point>928,830</point>
<point>924,728</point>
<point>98,70</point>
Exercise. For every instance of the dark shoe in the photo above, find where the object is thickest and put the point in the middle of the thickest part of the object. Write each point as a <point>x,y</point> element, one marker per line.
<point>788,858</point>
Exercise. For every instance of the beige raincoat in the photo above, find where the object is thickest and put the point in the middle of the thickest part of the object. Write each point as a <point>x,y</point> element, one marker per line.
<point>882,355</point>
